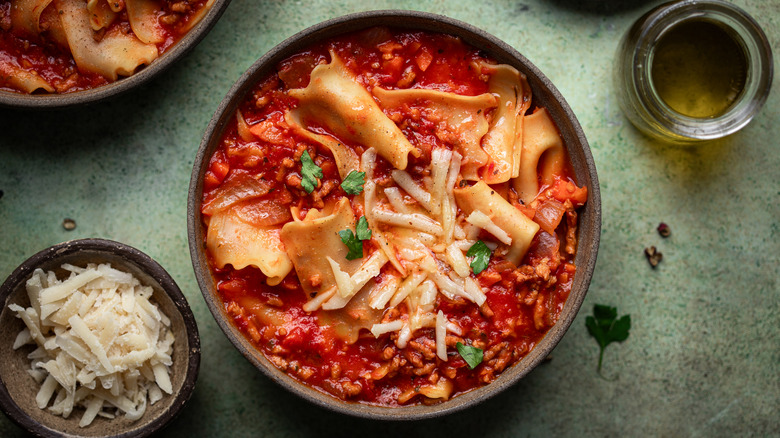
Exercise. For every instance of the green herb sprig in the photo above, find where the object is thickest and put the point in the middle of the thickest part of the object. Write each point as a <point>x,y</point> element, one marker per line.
<point>354,241</point>
<point>361,230</point>
<point>353,183</point>
<point>472,355</point>
<point>481,254</point>
<point>605,326</point>
<point>309,172</point>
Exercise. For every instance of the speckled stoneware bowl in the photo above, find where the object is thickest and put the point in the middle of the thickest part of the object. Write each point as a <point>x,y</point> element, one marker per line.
<point>544,93</point>
<point>53,101</point>
<point>18,389</point>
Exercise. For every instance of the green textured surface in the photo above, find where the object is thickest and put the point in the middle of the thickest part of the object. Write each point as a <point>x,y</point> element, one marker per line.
<point>703,358</point>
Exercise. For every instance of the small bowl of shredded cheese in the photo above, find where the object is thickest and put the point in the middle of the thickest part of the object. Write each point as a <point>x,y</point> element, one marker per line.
<point>97,340</point>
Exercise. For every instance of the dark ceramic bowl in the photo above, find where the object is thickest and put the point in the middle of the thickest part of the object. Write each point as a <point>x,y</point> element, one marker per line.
<point>544,93</point>
<point>18,389</point>
<point>79,98</point>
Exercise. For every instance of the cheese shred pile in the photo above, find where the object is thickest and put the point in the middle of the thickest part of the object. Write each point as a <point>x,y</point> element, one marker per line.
<point>102,345</point>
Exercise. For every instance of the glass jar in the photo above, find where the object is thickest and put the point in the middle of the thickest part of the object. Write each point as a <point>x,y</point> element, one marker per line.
<point>640,95</point>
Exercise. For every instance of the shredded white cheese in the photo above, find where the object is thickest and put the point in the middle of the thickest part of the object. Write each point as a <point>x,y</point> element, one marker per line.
<point>406,182</point>
<point>382,328</point>
<point>102,345</point>
<point>383,294</point>
<point>406,287</point>
<point>482,220</point>
<point>344,283</point>
<point>366,272</point>
<point>441,335</point>
<point>396,200</point>
<point>413,220</point>
<point>474,290</point>
<point>425,241</point>
<point>457,260</point>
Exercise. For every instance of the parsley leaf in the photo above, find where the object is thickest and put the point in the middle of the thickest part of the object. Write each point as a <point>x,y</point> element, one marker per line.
<point>481,254</point>
<point>472,355</point>
<point>354,244</point>
<point>354,241</point>
<point>353,183</point>
<point>361,231</point>
<point>309,172</point>
<point>606,328</point>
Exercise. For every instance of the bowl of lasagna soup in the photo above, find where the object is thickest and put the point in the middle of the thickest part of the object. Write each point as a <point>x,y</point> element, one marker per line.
<point>394,215</point>
<point>63,53</point>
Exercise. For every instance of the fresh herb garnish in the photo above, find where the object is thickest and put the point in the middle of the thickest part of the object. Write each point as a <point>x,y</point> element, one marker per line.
<point>606,328</point>
<point>354,244</point>
<point>310,172</point>
<point>472,355</point>
<point>481,254</point>
<point>353,183</point>
<point>361,231</point>
<point>354,241</point>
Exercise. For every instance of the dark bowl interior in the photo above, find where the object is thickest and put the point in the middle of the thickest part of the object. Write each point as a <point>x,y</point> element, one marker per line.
<point>123,85</point>
<point>18,389</point>
<point>544,94</point>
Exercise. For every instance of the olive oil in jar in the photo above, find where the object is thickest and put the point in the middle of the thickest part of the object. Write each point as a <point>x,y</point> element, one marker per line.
<point>698,69</point>
<point>689,71</point>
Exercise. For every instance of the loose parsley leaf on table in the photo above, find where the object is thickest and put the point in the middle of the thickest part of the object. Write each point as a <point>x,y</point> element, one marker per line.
<point>354,241</point>
<point>309,172</point>
<point>353,183</point>
<point>606,328</point>
<point>472,355</point>
<point>481,254</point>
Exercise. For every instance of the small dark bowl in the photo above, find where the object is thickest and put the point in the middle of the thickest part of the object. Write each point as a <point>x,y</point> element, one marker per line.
<point>54,101</point>
<point>18,389</point>
<point>544,94</point>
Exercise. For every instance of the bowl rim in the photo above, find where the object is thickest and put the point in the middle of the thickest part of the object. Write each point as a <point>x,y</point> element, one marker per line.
<point>168,285</point>
<point>56,101</point>
<point>500,51</point>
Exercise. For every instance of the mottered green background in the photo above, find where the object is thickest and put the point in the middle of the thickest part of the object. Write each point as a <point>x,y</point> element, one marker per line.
<point>703,358</point>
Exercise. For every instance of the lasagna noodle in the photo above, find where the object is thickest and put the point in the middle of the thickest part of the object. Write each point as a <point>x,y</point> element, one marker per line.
<point>55,32</point>
<point>142,15</point>
<point>309,242</point>
<point>116,54</point>
<point>336,101</point>
<point>464,119</point>
<point>100,14</point>
<point>233,241</point>
<point>542,152</point>
<point>346,158</point>
<point>481,197</point>
<point>504,141</point>
<point>26,16</point>
<point>22,79</point>
<point>197,16</point>
<point>355,316</point>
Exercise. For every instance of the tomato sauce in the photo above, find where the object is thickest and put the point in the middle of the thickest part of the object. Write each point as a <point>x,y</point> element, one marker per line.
<point>55,64</point>
<point>522,302</point>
